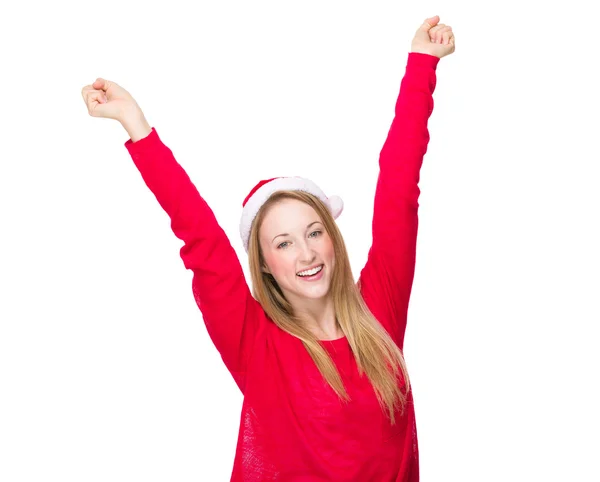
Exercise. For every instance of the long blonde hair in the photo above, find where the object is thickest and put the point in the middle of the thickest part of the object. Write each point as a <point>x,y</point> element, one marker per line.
<point>375,352</point>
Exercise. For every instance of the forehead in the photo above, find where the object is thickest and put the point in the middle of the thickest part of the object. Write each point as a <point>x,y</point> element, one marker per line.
<point>287,216</point>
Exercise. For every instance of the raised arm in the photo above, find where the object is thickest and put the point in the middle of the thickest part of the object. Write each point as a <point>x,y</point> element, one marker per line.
<point>232,317</point>
<point>386,280</point>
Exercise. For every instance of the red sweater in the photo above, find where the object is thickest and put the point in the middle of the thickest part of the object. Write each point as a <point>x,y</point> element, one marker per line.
<point>293,427</point>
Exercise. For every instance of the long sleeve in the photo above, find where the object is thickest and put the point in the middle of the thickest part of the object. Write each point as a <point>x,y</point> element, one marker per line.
<point>232,316</point>
<point>386,280</point>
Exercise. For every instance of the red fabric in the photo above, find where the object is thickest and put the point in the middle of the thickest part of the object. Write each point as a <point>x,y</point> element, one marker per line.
<point>256,188</point>
<point>293,427</point>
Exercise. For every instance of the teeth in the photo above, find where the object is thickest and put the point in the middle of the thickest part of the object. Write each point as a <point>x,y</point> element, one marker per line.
<point>310,272</point>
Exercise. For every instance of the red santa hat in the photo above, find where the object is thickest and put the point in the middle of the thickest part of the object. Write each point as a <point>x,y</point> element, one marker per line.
<point>263,190</point>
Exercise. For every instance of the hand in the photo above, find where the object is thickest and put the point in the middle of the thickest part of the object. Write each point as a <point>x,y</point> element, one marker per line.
<point>434,38</point>
<point>109,100</point>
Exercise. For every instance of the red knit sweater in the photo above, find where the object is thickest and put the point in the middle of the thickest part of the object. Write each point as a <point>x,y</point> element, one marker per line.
<point>293,427</point>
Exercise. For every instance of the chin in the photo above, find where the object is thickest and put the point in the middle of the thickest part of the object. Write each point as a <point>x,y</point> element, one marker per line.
<point>316,292</point>
<point>314,295</point>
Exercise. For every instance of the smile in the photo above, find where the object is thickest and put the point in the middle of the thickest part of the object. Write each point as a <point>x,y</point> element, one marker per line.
<point>310,272</point>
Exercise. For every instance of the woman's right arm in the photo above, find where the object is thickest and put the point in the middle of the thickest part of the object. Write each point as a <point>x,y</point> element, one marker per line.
<point>232,316</point>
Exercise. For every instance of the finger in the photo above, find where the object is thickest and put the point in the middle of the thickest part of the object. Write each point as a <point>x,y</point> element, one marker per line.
<point>86,94</point>
<point>86,90</point>
<point>443,36</point>
<point>95,109</point>
<point>91,105</point>
<point>452,42</point>
<point>434,32</point>
<point>94,99</point>
<point>436,28</point>
<point>102,84</point>
<point>440,34</point>
<point>98,95</point>
<point>429,22</point>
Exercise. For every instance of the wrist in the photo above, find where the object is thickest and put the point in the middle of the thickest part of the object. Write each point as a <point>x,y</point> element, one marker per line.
<point>135,123</point>
<point>424,52</point>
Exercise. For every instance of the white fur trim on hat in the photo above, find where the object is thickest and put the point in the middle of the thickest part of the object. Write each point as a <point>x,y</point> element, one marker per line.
<point>253,205</point>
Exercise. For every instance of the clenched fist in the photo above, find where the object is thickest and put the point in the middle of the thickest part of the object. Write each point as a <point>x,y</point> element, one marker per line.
<point>108,99</point>
<point>434,38</point>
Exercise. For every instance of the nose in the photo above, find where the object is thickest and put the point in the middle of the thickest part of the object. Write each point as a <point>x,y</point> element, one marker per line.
<point>307,254</point>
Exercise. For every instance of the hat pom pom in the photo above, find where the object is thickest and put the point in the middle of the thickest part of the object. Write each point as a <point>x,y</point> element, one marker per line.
<point>335,205</point>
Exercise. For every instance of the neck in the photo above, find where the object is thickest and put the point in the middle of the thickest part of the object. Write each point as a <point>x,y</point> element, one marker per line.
<point>318,316</point>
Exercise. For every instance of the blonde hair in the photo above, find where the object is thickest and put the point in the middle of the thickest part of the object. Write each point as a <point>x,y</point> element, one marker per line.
<point>375,352</point>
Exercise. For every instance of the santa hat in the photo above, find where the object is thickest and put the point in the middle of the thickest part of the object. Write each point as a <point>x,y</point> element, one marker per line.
<point>263,190</point>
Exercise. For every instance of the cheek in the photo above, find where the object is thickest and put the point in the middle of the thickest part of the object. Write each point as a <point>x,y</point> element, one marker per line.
<point>329,252</point>
<point>277,265</point>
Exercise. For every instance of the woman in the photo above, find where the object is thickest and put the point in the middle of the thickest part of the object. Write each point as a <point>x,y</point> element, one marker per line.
<point>317,357</point>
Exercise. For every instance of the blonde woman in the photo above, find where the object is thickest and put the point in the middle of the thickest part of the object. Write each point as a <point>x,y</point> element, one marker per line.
<point>317,357</point>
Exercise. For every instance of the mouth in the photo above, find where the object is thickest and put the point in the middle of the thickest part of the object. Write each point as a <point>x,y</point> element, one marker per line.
<point>311,273</point>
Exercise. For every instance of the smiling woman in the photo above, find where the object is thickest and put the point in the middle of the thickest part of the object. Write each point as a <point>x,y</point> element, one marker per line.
<point>292,258</point>
<point>317,356</point>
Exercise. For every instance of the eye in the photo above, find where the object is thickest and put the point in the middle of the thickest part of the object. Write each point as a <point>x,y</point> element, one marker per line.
<point>283,245</point>
<point>315,232</point>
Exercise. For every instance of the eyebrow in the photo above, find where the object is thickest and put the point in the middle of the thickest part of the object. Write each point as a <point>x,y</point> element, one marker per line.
<point>287,234</point>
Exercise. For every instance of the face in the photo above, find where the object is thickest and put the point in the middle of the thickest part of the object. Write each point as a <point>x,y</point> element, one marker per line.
<point>297,250</point>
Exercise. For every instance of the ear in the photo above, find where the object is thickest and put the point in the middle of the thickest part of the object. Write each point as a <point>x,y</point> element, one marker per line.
<point>265,269</point>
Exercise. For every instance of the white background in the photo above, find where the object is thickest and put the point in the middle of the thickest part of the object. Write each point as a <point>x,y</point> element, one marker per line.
<point>106,369</point>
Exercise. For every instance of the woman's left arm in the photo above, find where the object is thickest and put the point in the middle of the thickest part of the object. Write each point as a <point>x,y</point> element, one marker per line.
<point>386,280</point>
